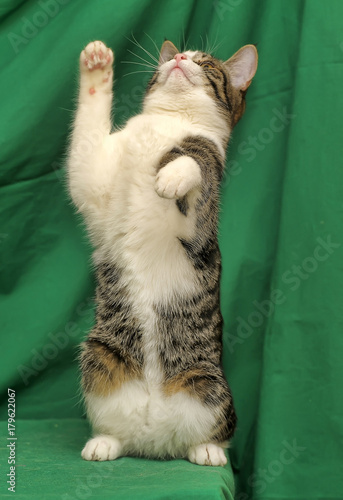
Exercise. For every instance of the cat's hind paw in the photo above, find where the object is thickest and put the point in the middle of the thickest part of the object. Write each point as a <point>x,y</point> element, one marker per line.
<point>101,448</point>
<point>207,454</point>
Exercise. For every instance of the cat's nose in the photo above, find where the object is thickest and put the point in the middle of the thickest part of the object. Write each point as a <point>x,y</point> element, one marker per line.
<point>179,57</point>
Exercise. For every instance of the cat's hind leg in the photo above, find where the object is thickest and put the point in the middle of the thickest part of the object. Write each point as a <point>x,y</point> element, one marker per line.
<point>206,385</point>
<point>102,448</point>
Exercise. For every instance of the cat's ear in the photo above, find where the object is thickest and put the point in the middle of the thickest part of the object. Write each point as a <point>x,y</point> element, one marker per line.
<point>242,67</point>
<point>168,51</point>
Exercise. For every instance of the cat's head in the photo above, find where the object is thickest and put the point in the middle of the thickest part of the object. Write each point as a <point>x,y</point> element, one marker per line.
<point>194,81</point>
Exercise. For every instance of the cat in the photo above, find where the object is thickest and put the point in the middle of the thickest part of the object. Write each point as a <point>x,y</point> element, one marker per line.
<point>151,369</point>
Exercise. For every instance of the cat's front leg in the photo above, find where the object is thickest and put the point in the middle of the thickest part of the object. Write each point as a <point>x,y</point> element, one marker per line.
<point>178,177</point>
<point>96,78</point>
<point>90,157</point>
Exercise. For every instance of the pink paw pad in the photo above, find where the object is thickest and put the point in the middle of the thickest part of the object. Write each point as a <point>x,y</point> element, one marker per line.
<point>96,56</point>
<point>92,90</point>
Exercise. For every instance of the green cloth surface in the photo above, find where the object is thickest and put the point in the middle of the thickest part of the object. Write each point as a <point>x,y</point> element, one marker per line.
<point>50,467</point>
<point>281,237</point>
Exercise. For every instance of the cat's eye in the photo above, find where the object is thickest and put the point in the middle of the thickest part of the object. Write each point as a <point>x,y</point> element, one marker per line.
<point>207,65</point>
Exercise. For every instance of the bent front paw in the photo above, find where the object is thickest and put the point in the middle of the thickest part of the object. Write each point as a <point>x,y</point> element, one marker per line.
<point>177,178</point>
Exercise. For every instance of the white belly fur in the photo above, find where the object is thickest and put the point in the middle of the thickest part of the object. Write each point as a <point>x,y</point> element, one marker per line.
<point>147,423</point>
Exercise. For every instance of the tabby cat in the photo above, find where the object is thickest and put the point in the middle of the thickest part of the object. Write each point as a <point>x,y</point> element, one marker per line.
<point>151,368</point>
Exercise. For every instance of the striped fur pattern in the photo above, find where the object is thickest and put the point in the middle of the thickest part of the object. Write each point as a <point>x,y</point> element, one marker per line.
<point>190,342</point>
<point>151,367</point>
<point>113,352</point>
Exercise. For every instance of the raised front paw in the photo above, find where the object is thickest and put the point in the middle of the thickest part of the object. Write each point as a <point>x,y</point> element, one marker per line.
<point>96,62</point>
<point>177,178</point>
<point>96,56</point>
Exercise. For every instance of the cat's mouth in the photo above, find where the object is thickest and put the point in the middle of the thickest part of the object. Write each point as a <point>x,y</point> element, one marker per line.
<point>179,74</point>
<point>179,71</point>
<point>177,68</point>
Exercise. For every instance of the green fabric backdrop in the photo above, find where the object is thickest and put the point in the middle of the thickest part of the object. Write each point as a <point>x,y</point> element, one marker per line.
<point>280,232</point>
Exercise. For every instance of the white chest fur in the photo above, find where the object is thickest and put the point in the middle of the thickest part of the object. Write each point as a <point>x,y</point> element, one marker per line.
<point>141,228</point>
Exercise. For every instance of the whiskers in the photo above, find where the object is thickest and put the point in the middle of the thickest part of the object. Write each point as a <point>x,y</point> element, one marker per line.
<point>150,62</point>
<point>184,43</point>
<point>207,46</point>
<point>212,48</point>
